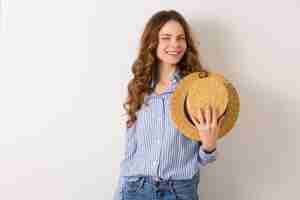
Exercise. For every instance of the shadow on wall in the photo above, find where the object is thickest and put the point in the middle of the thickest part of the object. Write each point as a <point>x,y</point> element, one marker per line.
<point>259,154</point>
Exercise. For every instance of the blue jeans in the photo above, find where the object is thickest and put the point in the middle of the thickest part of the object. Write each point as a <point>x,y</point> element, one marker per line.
<point>147,188</point>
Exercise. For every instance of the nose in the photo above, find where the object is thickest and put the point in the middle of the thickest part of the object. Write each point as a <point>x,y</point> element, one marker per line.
<point>175,42</point>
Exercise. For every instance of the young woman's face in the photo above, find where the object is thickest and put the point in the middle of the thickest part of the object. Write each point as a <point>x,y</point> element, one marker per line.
<point>172,43</point>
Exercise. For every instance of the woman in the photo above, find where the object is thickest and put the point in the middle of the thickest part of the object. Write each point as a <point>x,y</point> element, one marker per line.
<point>160,162</point>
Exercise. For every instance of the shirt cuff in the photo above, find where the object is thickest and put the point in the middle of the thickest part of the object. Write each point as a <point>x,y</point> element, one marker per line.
<point>209,157</point>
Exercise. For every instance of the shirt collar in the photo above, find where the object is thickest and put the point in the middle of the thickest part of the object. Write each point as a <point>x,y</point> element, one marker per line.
<point>173,77</point>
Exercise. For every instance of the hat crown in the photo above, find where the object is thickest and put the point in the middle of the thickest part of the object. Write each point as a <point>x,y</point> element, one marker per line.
<point>208,91</point>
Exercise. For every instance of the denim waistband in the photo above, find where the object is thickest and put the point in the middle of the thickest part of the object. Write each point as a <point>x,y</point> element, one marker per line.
<point>162,184</point>
<point>155,180</point>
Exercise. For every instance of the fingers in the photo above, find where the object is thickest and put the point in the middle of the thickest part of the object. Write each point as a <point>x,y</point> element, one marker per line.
<point>195,121</point>
<point>211,115</point>
<point>208,115</point>
<point>214,116</point>
<point>220,121</point>
<point>201,116</point>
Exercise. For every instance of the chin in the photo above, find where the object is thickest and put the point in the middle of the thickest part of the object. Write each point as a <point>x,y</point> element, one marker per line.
<point>172,62</point>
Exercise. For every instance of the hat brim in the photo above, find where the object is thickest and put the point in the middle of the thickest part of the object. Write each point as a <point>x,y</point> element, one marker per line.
<point>178,111</point>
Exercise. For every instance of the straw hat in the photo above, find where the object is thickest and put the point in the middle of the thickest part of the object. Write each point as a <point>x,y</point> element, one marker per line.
<point>200,91</point>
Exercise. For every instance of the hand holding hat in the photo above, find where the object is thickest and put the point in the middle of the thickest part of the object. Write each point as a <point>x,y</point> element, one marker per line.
<point>195,92</point>
<point>208,125</point>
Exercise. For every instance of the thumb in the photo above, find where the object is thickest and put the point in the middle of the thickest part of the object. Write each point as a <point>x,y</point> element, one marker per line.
<point>220,121</point>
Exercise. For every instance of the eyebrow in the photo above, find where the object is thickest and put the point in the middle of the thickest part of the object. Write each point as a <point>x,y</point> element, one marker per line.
<point>167,34</point>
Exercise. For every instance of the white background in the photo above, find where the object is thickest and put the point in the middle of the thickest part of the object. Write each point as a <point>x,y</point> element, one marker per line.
<point>64,68</point>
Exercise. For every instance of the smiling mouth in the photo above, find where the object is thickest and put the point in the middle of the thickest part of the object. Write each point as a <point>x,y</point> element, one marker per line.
<point>173,53</point>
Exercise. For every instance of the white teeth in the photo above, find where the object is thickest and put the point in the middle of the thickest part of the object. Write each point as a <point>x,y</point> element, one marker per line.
<point>172,53</point>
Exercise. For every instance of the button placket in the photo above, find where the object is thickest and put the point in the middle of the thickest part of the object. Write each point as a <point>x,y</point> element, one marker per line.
<point>162,123</point>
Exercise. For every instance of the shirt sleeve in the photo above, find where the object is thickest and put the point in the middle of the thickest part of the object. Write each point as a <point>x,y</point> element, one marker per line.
<point>130,149</point>
<point>118,191</point>
<point>205,158</point>
<point>130,141</point>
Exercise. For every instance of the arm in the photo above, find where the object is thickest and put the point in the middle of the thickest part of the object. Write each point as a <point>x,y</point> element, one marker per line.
<point>130,141</point>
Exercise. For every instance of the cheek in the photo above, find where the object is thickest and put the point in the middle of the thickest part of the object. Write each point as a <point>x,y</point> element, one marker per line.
<point>184,46</point>
<point>160,50</point>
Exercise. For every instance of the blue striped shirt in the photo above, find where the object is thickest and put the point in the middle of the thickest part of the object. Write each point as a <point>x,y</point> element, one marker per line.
<point>154,147</point>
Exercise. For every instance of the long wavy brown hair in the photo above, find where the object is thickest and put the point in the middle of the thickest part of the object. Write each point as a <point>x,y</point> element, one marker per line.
<point>145,67</point>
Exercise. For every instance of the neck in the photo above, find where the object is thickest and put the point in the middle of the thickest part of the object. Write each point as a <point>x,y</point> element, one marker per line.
<point>165,70</point>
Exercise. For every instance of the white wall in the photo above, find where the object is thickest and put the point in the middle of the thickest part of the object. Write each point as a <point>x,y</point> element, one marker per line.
<point>61,136</point>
